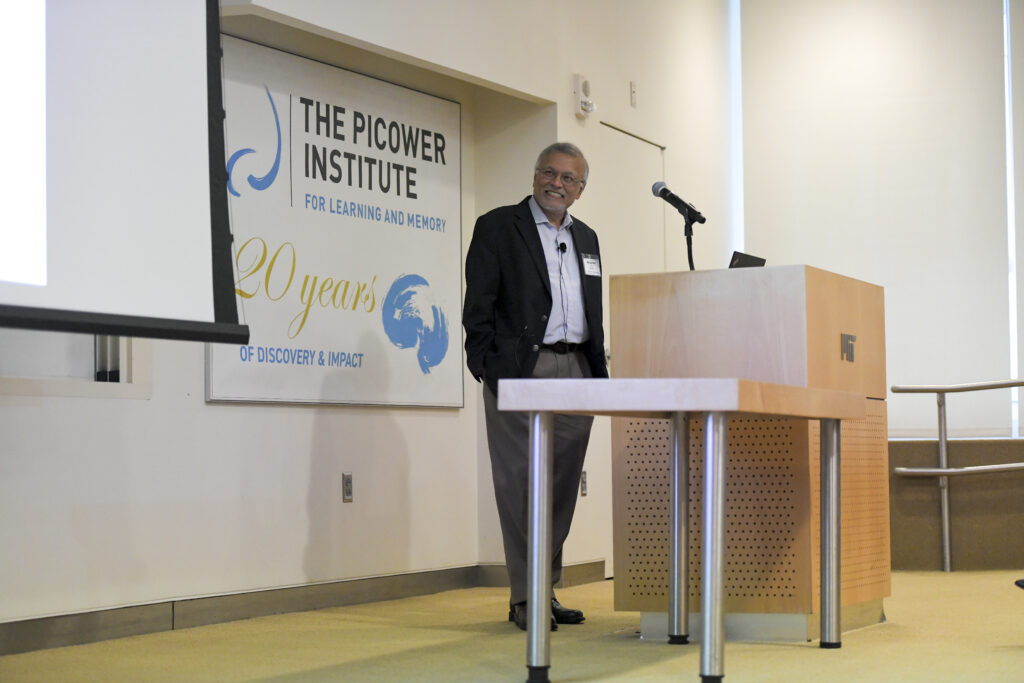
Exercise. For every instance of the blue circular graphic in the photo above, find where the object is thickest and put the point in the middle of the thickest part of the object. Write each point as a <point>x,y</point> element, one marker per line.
<point>411,319</point>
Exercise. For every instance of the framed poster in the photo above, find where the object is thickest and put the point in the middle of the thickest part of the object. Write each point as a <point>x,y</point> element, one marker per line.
<point>345,195</point>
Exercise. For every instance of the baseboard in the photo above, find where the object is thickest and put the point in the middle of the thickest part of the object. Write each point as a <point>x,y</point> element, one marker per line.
<point>584,572</point>
<point>218,609</point>
<point>495,576</point>
<point>91,627</point>
<point>492,575</point>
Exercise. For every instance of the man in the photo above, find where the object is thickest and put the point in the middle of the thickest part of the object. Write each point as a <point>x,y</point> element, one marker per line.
<point>533,309</point>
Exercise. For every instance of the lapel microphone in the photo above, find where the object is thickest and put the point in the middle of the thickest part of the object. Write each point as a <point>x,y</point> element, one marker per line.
<point>561,247</point>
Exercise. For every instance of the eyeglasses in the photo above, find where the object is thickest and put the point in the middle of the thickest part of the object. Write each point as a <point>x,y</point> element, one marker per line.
<point>549,174</point>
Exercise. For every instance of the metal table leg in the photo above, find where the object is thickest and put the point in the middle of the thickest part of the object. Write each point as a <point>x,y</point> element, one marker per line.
<point>538,566</point>
<point>679,566</point>
<point>712,647</point>
<point>831,636</point>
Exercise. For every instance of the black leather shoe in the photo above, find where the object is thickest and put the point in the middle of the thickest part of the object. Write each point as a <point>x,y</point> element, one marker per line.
<point>1019,583</point>
<point>517,613</point>
<point>565,615</point>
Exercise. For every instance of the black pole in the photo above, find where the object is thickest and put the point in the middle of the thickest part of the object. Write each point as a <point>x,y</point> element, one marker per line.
<point>688,231</point>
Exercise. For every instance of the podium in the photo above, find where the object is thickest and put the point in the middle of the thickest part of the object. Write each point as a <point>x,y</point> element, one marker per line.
<point>791,325</point>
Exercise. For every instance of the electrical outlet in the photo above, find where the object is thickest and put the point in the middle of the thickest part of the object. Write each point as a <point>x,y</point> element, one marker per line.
<point>346,487</point>
<point>583,483</point>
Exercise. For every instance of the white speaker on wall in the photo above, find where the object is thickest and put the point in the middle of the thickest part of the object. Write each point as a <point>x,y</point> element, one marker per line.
<point>584,106</point>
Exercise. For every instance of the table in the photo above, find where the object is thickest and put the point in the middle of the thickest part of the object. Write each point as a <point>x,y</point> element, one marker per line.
<point>676,399</point>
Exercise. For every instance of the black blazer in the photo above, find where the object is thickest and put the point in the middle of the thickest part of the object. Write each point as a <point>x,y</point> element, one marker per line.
<point>508,296</point>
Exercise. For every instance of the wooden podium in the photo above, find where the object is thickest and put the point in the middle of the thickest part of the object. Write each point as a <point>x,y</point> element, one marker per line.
<point>793,325</point>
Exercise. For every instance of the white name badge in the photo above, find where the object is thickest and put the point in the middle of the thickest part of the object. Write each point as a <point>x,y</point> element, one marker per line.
<point>591,264</point>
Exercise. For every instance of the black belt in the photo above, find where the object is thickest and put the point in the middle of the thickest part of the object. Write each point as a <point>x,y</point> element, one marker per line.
<point>561,347</point>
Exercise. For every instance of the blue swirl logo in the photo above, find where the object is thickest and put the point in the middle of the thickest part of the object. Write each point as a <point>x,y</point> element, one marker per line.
<point>267,180</point>
<point>411,319</point>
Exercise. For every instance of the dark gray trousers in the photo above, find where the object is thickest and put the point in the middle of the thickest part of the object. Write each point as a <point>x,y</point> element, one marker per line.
<point>508,438</point>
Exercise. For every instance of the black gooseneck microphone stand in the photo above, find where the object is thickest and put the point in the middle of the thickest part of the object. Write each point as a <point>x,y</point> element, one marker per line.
<point>690,214</point>
<point>688,231</point>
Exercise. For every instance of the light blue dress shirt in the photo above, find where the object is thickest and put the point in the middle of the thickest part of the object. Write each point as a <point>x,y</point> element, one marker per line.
<point>567,321</point>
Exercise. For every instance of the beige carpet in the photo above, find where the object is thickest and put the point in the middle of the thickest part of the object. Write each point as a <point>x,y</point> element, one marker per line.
<point>965,626</point>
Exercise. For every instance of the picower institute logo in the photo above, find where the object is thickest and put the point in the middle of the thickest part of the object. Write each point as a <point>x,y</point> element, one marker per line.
<point>412,319</point>
<point>267,180</point>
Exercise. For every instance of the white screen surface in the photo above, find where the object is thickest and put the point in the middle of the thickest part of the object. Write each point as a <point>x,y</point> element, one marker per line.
<point>127,153</point>
<point>23,115</point>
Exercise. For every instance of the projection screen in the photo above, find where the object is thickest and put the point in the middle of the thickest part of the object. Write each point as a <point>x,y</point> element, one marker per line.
<point>114,208</point>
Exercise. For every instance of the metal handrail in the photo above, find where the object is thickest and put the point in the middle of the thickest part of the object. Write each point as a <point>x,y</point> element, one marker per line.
<point>954,388</point>
<point>944,471</point>
<point>954,471</point>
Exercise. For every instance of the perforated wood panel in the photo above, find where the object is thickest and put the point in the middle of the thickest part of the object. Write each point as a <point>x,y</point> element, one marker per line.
<point>772,513</point>
<point>767,491</point>
<point>642,513</point>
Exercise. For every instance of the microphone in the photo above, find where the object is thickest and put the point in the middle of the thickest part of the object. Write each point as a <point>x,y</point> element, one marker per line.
<point>561,247</point>
<point>683,207</point>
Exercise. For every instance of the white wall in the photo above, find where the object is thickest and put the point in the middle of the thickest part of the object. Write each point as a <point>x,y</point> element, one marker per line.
<point>874,147</point>
<point>116,501</point>
<point>108,502</point>
<point>676,52</point>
